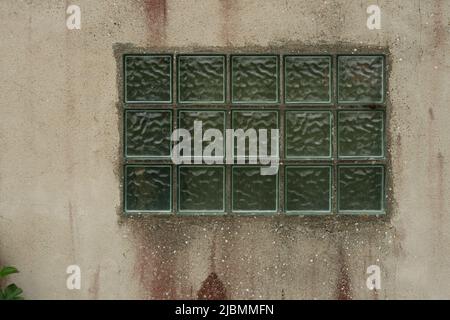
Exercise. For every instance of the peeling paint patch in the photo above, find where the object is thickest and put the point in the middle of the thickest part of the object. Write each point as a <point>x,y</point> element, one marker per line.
<point>212,289</point>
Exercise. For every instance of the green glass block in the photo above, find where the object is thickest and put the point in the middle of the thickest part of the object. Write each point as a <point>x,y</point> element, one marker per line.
<point>201,79</point>
<point>308,189</point>
<point>307,79</point>
<point>360,134</point>
<point>147,188</point>
<point>254,79</point>
<point>253,192</point>
<point>361,79</point>
<point>308,134</point>
<point>147,133</point>
<point>148,79</point>
<point>201,188</point>
<point>210,120</point>
<point>361,189</point>
<point>254,119</point>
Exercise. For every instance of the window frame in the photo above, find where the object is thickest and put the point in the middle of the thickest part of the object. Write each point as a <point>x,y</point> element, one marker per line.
<point>282,107</point>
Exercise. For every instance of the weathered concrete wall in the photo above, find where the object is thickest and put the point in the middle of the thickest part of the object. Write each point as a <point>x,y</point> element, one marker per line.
<point>60,193</point>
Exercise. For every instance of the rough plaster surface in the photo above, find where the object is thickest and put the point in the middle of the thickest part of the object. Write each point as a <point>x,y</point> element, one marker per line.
<point>60,193</point>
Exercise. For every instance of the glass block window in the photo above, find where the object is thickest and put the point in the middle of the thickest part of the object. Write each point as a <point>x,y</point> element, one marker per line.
<point>147,133</point>
<point>148,188</point>
<point>308,79</point>
<point>254,79</point>
<point>253,192</point>
<point>308,189</point>
<point>148,79</point>
<point>201,189</point>
<point>329,110</point>
<point>253,119</point>
<point>201,79</point>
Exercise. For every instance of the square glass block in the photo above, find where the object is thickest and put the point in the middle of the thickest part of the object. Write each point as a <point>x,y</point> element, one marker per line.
<point>148,188</point>
<point>147,133</point>
<point>308,134</point>
<point>201,189</point>
<point>307,79</point>
<point>148,79</point>
<point>253,192</point>
<point>254,119</point>
<point>210,119</point>
<point>254,79</point>
<point>361,134</point>
<point>361,189</point>
<point>308,189</point>
<point>201,79</point>
<point>361,79</point>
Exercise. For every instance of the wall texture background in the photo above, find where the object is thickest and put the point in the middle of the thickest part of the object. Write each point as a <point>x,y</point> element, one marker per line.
<point>60,147</point>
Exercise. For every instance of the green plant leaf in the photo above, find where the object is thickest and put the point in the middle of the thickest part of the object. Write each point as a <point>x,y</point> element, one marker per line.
<point>7,271</point>
<point>12,292</point>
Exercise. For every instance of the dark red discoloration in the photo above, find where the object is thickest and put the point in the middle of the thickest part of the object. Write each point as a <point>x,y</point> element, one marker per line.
<point>440,34</point>
<point>431,113</point>
<point>227,7</point>
<point>343,284</point>
<point>156,12</point>
<point>155,264</point>
<point>212,289</point>
<point>156,272</point>
<point>440,205</point>
<point>95,288</point>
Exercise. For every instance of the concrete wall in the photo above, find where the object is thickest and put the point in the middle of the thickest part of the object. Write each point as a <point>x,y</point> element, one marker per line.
<point>60,156</point>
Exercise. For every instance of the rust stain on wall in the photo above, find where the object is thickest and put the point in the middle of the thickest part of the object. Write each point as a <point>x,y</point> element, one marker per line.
<point>156,272</point>
<point>95,287</point>
<point>344,283</point>
<point>212,289</point>
<point>440,34</point>
<point>431,113</point>
<point>226,32</point>
<point>156,17</point>
<point>441,196</point>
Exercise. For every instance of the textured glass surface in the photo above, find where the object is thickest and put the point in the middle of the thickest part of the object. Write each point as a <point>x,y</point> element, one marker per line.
<point>254,79</point>
<point>148,188</point>
<point>210,120</point>
<point>253,191</point>
<point>333,126</point>
<point>201,78</point>
<point>308,134</point>
<point>360,133</point>
<point>257,120</point>
<point>201,188</point>
<point>360,79</point>
<point>361,188</point>
<point>148,133</point>
<point>307,79</point>
<point>148,78</point>
<point>308,189</point>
